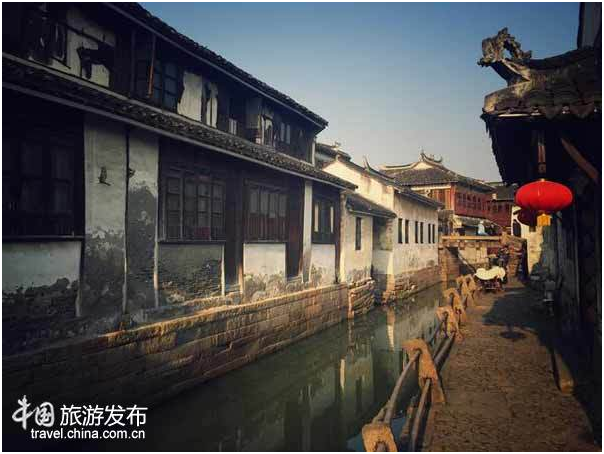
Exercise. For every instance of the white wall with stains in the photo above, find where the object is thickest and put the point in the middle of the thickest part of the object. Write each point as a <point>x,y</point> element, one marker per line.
<point>77,20</point>
<point>38,264</point>
<point>355,264</point>
<point>105,217</point>
<point>142,220</point>
<point>323,264</point>
<point>264,270</point>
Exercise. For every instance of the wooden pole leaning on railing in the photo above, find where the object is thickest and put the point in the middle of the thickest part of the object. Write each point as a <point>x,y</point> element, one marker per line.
<point>429,385</point>
<point>377,436</point>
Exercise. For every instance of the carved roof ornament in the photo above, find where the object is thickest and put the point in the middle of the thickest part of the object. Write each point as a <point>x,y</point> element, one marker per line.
<point>514,68</point>
<point>430,158</point>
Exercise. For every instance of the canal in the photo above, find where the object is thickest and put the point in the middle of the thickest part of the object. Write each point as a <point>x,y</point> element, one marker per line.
<point>314,395</point>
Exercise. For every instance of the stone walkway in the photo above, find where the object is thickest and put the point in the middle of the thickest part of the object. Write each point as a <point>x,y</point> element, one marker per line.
<point>500,388</point>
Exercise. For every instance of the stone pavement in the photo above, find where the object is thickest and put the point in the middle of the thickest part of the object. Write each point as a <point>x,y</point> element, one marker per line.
<point>499,384</point>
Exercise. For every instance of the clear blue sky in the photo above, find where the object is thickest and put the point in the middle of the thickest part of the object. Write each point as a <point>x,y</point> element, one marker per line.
<point>389,78</point>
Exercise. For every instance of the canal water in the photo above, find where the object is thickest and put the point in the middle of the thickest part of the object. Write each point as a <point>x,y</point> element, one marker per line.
<point>314,395</point>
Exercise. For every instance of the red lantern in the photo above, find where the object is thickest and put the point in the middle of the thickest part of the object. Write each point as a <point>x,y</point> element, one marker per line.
<point>527,217</point>
<point>544,198</point>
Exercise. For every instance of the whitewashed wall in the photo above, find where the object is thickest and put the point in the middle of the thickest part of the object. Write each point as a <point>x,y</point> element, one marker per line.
<point>355,265</point>
<point>37,264</point>
<point>323,264</point>
<point>264,269</point>
<point>412,256</point>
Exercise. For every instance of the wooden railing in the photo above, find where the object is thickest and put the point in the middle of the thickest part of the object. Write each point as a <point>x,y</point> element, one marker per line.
<point>377,435</point>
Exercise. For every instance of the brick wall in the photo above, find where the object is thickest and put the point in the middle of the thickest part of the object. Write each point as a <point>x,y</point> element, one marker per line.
<point>158,360</point>
<point>361,297</point>
<point>391,287</point>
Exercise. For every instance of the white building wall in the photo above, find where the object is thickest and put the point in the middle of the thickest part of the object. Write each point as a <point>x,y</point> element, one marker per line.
<point>39,264</point>
<point>323,264</point>
<point>264,269</point>
<point>414,256</point>
<point>355,265</point>
<point>368,187</point>
<point>404,257</point>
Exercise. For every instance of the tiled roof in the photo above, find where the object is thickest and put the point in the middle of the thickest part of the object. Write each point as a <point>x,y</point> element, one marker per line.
<point>330,150</point>
<point>81,94</point>
<point>388,180</point>
<point>138,12</point>
<point>360,204</point>
<point>436,174</point>
<point>504,192</point>
<point>473,222</point>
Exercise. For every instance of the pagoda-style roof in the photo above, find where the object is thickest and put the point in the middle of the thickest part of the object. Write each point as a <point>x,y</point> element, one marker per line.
<point>555,100</point>
<point>356,203</point>
<point>429,171</point>
<point>565,85</point>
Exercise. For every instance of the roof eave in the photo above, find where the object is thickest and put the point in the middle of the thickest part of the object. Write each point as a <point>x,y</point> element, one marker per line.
<point>331,180</point>
<point>308,115</point>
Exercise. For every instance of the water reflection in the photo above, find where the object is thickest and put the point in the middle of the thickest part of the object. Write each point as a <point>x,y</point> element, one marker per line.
<point>314,395</point>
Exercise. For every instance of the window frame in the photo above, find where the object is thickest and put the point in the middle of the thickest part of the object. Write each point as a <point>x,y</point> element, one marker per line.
<point>358,226</point>
<point>159,67</point>
<point>22,225</point>
<point>421,232</point>
<point>260,230</point>
<point>200,177</point>
<point>400,230</point>
<point>416,232</point>
<point>319,235</point>
<point>406,231</point>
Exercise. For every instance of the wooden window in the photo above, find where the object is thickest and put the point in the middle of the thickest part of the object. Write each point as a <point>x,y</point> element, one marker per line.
<point>429,233</point>
<point>268,134</point>
<point>166,77</point>
<point>400,231</point>
<point>323,220</point>
<point>209,104</point>
<point>266,213</point>
<point>406,231</point>
<point>434,234</point>
<point>357,234</point>
<point>193,206</point>
<point>416,232</point>
<point>421,232</point>
<point>41,183</point>
<point>59,43</point>
<point>165,84</point>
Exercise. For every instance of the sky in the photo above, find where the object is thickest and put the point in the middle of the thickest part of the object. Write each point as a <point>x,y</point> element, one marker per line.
<point>391,78</point>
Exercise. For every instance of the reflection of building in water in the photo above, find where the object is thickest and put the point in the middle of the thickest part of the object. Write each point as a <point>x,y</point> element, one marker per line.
<point>315,395</point>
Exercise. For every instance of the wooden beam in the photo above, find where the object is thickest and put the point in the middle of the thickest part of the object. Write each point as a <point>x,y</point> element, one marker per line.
<point>576,156</point>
